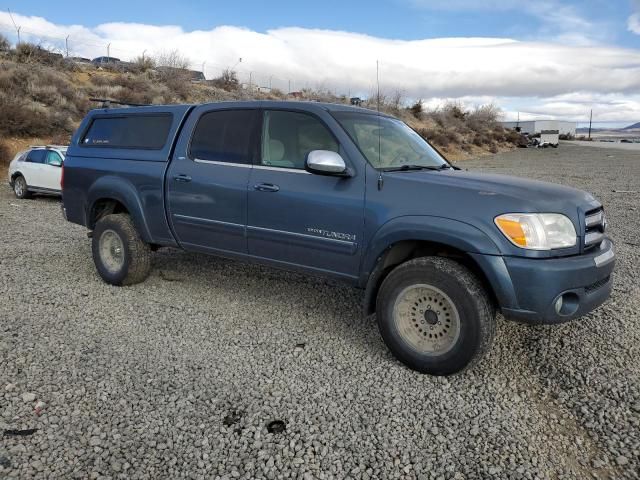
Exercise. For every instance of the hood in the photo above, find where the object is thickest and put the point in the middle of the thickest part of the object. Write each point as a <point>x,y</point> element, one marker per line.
<point>493,191</point>
<point>538,195</point>
<point>477,198</point>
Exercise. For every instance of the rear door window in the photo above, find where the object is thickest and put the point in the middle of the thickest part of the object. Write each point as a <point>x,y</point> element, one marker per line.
<point>131,131</point>
<point>36,156</point>
<point>223,136</point>
<point>53,158</point>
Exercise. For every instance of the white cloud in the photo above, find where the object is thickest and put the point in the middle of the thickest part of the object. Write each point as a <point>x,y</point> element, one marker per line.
<point>634,23</point>
<point>556,18</point>
<point>515,74</point>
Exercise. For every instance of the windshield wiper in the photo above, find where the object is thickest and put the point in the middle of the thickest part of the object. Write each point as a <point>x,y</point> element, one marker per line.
<point>410,167</point>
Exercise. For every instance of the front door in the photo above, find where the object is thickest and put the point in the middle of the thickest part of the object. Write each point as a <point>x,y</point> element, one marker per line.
<point>297,218</point>
<point>208,177</point>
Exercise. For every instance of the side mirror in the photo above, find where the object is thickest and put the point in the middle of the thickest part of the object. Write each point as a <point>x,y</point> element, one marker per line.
<point>325,162</point>
<point>55,163</point>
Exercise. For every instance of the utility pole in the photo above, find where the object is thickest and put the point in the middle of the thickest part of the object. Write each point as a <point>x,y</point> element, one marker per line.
<point>250,79</point>
<point>590,119</point>
<point>289,87</point>
<point>15,26</point>
<point>270,77</point>
<point>203,64</point>
<point>66,45</point>
<point>108,51</point>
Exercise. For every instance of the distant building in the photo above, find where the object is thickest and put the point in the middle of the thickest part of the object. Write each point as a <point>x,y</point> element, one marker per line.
<point>533,127</point>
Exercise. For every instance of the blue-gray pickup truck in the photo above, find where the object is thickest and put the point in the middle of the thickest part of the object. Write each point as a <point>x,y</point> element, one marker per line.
<point>347,193</point>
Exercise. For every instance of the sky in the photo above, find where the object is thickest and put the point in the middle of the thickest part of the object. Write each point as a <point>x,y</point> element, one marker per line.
<point>543,58</point>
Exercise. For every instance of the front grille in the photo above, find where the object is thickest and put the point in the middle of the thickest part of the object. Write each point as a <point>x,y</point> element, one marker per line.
<point>595,225</point>
<point>596,285</point>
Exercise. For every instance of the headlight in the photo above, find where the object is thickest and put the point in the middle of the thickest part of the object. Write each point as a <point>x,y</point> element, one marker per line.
<point>537,231</point>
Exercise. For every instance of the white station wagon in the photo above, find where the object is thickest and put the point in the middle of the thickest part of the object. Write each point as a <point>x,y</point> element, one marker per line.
<point>37,170</point>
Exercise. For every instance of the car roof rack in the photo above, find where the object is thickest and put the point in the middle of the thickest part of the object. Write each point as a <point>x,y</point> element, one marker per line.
<point>106,103</point>
<point>62,147</point>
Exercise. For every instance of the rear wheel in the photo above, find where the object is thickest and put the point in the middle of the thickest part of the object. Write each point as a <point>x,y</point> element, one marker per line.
<point>120,255</point>
<point>435,316</point>
<point>20,187</point>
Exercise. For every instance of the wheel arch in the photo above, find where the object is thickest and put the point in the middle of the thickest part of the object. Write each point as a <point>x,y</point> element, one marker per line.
<point>406,238</point>
<point>406,250</point>
<point>116,195</point>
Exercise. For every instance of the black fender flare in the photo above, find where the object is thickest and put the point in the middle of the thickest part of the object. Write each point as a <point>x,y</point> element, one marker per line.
<point>437,230</point>
<point>111,187</point>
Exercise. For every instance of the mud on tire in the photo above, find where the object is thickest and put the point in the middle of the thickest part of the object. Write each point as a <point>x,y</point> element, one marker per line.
<point>435,316</point>
<point>120,255</point>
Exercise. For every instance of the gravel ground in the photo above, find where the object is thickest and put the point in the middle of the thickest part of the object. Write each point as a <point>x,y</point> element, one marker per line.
<point>183,375</point>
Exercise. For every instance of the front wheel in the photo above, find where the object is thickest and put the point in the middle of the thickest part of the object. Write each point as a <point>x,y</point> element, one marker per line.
<point>435,316</point>
<point>120,255</point>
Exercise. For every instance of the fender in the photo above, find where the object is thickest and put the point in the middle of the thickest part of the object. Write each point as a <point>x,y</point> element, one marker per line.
<point>120,189</point>
<point>453,233</point>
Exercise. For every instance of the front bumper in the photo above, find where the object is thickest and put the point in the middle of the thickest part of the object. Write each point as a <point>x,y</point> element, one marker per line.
<point>584,282</point>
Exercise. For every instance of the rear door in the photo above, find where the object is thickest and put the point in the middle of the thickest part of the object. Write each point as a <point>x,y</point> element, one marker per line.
<point>298,218</point>
<point>208,177</point>
<point>33,168</point>
<point>51,170</point>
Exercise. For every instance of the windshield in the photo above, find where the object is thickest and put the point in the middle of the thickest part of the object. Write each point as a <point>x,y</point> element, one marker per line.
<point>387,142</point>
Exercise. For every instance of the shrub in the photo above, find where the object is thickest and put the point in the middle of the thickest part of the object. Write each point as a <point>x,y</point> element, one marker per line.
<point>172,59</point>
<point>228,80</point>
<point>396,101</point>
<point>32,53</point>
<point>5,155</point>
<point>437,137</point>
<point>21,120</point>
<point>416,109</point>
<point>36,101</point>
<point>513,137</point>
<point>5,46</point>
<point>497,135</point>
<point>485,116</point>
<point>143,63</point>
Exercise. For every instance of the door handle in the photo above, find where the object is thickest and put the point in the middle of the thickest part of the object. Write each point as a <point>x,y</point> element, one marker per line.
<point>266,187</point>
<point>182,178</point>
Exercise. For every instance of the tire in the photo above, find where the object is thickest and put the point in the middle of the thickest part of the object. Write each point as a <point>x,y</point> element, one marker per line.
<point>120,255</point>
<point>20,188</point>
<point>435,316</point>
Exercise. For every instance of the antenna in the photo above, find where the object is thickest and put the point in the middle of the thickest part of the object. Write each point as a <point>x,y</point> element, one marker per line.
<point>378,83</point>
<point>380,180</point>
